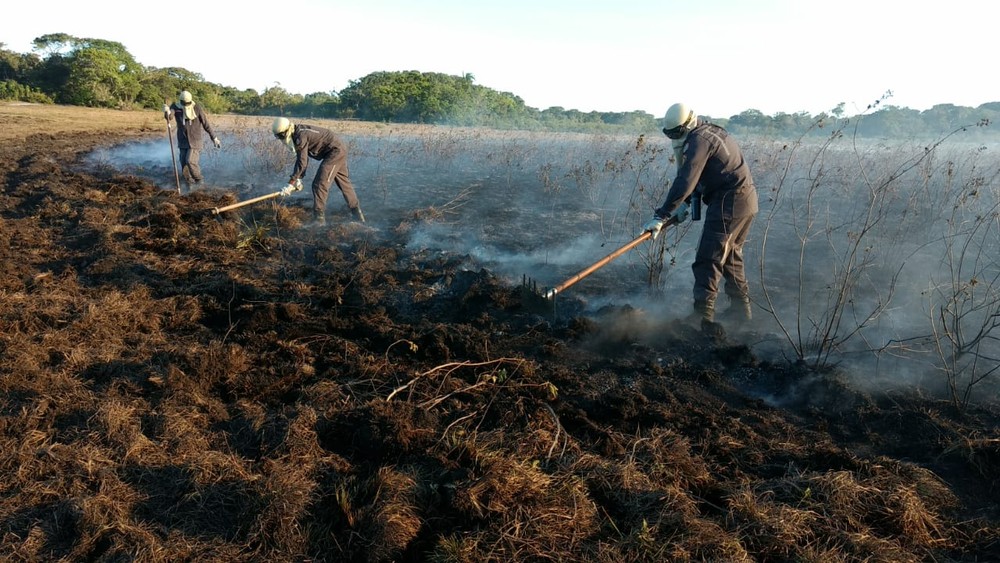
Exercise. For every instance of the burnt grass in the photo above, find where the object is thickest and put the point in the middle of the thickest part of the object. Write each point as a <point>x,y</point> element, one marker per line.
<point>181,386</point>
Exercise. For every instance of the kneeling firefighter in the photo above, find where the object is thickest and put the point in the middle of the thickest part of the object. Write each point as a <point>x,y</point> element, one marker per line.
<point>711,167</point>
<point>309,141</point>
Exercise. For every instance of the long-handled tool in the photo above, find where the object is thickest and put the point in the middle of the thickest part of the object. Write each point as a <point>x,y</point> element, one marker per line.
<point>287,190</point>
<point>529,288</point>
<point>173,157</point>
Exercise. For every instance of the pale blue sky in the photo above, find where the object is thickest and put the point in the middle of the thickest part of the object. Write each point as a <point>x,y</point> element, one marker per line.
<point>719,56</point>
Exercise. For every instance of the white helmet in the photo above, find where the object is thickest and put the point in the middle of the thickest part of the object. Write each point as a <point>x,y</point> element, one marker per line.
<point>679,120</point>
<point>185,97</point>
<point>282,128</point>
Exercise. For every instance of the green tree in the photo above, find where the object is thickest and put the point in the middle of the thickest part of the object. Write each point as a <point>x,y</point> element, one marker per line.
<point>161,84</point>
<point>319,104</point>
<point>379,96</point>
<point>892,122</point>
<point>97,78</point>
<point>242,101</point>
<point>942,118</point>
<point>13,90</point>
<point>87,71</point>
<point>17,67</point>
<point>54,43</point>
<point>276,99</point>
<point>750,120</point>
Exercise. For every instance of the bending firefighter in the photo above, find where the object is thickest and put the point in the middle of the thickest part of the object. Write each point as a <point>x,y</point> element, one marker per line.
<point>309,141</point>
<point>190,119</point>
<point>710,165</point>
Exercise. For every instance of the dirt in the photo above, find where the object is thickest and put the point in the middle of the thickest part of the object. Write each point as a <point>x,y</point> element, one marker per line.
<point>181,386</point>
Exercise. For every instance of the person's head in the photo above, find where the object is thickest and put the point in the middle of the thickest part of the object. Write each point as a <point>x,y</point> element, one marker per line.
<point>679,121</point>
<point>282,129</point>
<point>186,98</point>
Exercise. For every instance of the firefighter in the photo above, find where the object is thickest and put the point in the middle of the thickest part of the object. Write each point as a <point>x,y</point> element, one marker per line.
<point>309,141</point>
<point>191,119</point>
<point>710,165</point>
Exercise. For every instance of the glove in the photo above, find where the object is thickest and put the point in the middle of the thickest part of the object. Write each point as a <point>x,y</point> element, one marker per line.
<point>291,187</point>
<point>654,225</point>
<point>682,213</point>
<point>217,143</point>
<point>166,111</point>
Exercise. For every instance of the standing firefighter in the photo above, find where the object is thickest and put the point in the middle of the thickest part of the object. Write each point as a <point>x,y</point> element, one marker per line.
<point>190,119</point>
<point>321,144</point>
<point>710,166</point>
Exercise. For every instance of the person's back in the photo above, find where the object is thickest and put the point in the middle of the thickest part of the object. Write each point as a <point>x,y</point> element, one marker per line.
<point>318,141</point>
<point>714,161</point>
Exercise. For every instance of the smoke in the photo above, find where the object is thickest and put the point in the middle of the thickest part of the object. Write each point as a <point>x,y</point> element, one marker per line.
<point>854,255</point>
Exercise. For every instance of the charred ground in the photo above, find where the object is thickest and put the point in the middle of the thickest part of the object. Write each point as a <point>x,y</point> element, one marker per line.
<point>182,386</point>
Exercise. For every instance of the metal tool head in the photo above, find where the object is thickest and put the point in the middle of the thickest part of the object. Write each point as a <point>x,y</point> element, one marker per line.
<point>542,302</point>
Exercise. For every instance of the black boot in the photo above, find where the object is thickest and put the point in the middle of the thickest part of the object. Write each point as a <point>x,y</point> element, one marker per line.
<point>704,311</point>
<point>319,220</point>
<point>357,214</point>
<point>739,311</point>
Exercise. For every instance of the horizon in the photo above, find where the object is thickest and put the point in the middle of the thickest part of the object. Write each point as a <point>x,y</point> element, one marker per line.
<point>583,56</point>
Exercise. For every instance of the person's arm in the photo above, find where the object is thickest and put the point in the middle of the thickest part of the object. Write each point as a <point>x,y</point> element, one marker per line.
<point>301,141</point>
<point>696,153</point>
<point>203,116</point>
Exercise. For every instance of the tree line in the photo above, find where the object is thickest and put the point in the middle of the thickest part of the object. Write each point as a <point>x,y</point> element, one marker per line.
<point>98,73</point>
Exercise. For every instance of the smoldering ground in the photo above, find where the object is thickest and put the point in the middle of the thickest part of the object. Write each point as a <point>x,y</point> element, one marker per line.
<point>851,260</point>
<point>186,386</point>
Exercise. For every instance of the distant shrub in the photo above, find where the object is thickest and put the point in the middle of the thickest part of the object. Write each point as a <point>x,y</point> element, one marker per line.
<point>13,90</point>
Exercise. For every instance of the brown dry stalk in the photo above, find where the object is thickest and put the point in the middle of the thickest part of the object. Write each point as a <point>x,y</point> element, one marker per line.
<point>448,369</point>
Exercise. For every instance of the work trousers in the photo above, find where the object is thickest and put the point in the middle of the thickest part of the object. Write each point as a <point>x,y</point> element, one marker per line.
<point>190,167</point>
<point>333,168</point>
<point>720,256</point>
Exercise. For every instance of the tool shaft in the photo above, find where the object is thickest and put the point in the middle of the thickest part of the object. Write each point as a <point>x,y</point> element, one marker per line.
<point>217,210</point>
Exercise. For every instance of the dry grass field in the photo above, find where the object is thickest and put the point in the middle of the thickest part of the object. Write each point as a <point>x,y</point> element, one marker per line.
<point>176,387</point>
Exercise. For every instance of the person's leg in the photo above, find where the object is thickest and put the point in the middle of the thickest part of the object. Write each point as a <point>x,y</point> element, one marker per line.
<point>185,155</point>
<point>340,174</point>
<point>734,273</point>
<point>707,267</point>
<point>194,164</point>
<point>343,180</point>
<point>321,187</point>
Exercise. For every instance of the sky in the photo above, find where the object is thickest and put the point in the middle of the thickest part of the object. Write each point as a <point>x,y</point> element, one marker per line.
<point>720,57</point>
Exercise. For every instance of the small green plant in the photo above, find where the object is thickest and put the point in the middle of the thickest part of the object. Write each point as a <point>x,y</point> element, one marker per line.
<point>254,237</point>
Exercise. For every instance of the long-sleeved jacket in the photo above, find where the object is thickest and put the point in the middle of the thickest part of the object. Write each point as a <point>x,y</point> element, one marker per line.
<point>189,130</point>
<point>315,142</point>
<point>713,163</point>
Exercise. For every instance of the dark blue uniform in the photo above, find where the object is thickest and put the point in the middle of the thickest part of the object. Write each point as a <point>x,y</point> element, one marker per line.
<point>713,164</point>
<point>323,145</point>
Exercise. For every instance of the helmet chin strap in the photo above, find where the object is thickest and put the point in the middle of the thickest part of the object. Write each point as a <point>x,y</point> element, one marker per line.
<point>691,122</point>
<point>678,146</point>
